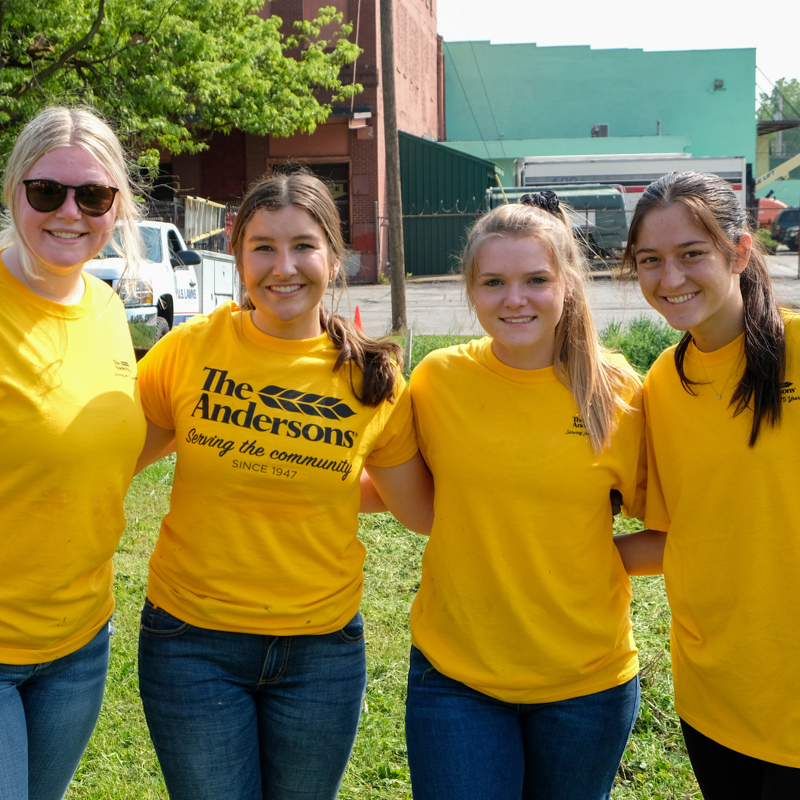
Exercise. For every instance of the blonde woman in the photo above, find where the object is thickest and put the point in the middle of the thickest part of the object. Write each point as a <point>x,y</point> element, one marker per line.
<point>523,679</point>
<point>71,427</point>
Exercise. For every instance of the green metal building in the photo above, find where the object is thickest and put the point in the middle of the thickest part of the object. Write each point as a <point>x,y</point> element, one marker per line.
<point>516,100</point>
<point>443,193</point>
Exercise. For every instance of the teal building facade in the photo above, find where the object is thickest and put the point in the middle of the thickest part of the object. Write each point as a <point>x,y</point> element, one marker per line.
<point>511,101</point>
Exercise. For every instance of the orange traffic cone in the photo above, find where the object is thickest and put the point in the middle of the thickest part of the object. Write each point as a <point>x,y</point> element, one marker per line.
<point>357,320</point>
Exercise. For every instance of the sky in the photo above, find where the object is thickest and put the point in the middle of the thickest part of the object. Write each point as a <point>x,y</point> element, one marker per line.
<point>773,27</point>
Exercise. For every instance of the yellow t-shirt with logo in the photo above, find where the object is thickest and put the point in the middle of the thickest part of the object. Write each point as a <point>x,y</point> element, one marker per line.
<point>261,532</point>
<point>732,559</point>
<point>71,428</point>
<point>523,594</point>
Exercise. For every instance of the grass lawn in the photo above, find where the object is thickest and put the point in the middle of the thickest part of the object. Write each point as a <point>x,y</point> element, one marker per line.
<point>120,761</point>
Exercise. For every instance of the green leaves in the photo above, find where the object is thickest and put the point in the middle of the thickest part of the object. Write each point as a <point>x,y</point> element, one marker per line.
<point>169,72</point>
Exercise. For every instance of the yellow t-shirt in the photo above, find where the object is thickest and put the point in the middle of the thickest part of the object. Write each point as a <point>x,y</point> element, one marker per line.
<point>71,428</point>
<point>261,532</point>
<point>732,559</point>
<point>523,594</point>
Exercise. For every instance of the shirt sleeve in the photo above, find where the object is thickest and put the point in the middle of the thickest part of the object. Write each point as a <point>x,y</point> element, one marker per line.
<point>156,378</point>
<point>397,442</point>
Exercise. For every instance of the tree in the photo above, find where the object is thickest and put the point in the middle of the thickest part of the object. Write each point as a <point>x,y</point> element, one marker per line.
<point>786,95</point>
<point>169,72</point>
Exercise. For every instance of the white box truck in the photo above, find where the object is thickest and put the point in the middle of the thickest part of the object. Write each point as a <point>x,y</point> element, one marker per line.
<point>631,172</point>
<point>173,284</point>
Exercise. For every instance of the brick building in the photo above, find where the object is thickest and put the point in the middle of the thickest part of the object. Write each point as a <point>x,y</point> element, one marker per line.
<point>349,148</point>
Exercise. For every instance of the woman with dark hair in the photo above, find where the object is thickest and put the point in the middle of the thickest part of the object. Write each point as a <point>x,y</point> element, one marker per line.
<point>721,421</point>
<point>71,426</point>
<point>523,677</point>
<point>251,655</point>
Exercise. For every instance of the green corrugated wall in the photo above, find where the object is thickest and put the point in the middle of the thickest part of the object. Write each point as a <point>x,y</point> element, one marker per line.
<point>443,192</point>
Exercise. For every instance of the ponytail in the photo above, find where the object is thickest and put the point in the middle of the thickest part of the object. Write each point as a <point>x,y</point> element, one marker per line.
<point>378,361</point>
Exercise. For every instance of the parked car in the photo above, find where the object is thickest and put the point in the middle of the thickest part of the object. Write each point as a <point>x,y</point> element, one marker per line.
<point>791,237</point>
<point>786,221</point>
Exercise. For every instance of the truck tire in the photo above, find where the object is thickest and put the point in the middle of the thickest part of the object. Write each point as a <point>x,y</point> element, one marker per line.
<point>162,328</point>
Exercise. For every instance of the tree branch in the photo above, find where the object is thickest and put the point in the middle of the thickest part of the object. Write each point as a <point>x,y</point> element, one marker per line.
<point>68,53</point>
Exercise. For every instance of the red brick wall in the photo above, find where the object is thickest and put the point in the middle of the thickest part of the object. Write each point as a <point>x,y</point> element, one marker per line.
<point>223,168</point>
<point>415,54</point>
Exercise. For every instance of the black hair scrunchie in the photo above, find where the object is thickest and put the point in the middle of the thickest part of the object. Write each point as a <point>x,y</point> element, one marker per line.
<point>546,200</point>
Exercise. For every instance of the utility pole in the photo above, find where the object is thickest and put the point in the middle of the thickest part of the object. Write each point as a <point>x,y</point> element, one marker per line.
<point>394,203</point>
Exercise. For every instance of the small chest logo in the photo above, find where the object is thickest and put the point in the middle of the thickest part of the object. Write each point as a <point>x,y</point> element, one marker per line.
<point>123,369</point>
<point>578,428</point>
<point>789,393</point>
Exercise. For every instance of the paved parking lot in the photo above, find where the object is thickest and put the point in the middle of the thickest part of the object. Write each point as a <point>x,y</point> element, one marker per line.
<point>440,305</point>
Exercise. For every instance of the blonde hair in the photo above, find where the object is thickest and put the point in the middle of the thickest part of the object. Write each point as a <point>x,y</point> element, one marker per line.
<point>579,359</point>
<point>378,361</point>
<point>62,127</point>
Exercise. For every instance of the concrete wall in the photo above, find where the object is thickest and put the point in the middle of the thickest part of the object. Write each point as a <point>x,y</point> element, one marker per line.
<point>516,97</point>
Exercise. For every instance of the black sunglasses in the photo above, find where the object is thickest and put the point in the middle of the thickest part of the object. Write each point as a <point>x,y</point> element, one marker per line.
<point>93,199</point>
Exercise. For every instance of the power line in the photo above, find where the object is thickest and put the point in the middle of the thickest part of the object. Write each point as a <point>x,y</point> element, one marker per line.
<point>488,100</point>
<point>466,97</point>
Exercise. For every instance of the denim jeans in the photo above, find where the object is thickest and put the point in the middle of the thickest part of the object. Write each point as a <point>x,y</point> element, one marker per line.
<point>463,744</point>
<point>47,714</point>
<point>250,717</point>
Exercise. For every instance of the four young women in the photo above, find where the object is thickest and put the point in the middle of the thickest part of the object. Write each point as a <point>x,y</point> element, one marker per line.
<point>523,670</point>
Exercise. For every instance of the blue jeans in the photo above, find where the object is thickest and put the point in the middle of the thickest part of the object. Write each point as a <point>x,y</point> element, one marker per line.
<point>249,717</point>
<point>463,744</point>
<point>47,714</point>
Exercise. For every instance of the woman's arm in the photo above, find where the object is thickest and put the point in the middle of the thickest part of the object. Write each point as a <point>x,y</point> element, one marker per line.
<point>158,443</point>
<point>642,552</point>
<point>405,490</point>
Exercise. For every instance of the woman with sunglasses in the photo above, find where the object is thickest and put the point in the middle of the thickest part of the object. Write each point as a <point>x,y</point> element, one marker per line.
<point>71,427</point>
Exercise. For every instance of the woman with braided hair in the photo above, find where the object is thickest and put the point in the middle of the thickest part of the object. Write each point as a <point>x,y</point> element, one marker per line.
<point>251,655</point>
<point>523,679</point>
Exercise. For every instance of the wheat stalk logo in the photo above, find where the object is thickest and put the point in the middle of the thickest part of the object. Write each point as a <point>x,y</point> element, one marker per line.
<point>314,405</point>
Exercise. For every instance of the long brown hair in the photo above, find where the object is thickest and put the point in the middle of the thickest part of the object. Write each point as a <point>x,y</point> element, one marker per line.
<point>713,205</point>
<point>579,359</point>
<point>377,361</point>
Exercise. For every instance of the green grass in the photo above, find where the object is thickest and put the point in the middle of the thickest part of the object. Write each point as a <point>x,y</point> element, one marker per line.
<point>641,341</point>
<point>120,761</point>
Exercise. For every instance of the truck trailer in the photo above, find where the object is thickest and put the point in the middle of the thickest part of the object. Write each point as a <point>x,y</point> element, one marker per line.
<point>633,172</point>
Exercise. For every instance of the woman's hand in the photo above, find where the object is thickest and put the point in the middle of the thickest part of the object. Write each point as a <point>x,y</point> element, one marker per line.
<point>405,490</point>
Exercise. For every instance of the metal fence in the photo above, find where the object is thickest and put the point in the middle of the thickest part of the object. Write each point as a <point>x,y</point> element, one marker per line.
<point>434,238</point>
<point>204,225</point>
